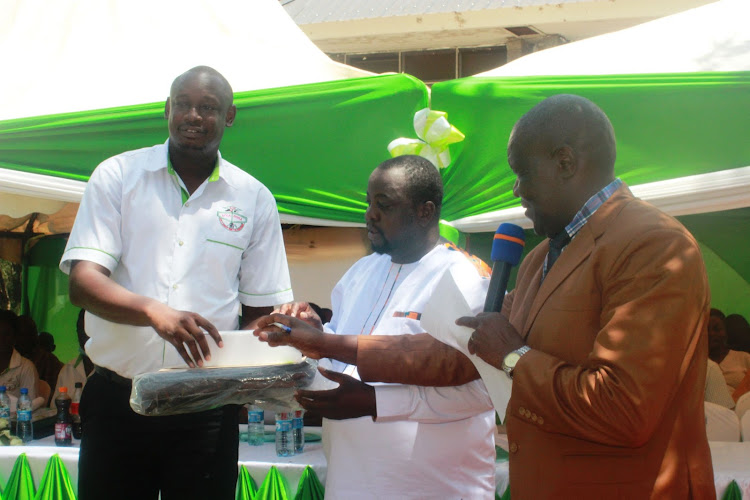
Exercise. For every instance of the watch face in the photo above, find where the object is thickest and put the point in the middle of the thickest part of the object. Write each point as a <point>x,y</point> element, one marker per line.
<point>511,359</point>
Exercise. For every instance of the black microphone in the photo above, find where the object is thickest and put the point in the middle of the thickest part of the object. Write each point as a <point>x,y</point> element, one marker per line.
<point>506,253</point>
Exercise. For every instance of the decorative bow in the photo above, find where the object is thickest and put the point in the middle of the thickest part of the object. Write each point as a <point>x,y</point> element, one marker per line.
<point>435,135</point>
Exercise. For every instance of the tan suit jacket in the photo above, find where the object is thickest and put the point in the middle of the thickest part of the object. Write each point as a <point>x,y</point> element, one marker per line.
<point>609,401</point>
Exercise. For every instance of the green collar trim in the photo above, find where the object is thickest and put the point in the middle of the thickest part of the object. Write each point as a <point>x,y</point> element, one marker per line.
<point>185,195</point>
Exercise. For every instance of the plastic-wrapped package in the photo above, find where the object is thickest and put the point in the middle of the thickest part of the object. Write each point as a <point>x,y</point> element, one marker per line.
<point>170,392</point>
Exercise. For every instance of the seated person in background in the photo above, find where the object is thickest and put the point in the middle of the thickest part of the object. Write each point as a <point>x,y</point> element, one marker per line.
<point>395,441</point>
<point>47,342</point>
<point>47,365</point>
<point>717,391</point>
<point>15,370</point>
<point>738,333</point>
<point>76,370</point>
<point>734,364</point>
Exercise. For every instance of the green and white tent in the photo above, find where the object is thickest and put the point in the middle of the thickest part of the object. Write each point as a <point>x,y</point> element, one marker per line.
<point>682,143</point>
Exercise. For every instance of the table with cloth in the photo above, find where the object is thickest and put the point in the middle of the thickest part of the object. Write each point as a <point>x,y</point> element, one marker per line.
<point>300,476</point>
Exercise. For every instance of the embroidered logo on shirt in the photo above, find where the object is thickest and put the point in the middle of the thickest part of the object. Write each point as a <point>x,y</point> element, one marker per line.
<point>407,314</point>
<point>232,219</point>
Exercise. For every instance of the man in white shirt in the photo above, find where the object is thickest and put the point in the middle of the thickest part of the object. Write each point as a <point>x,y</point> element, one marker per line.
<point>390,440</point>
<point>168,243</point>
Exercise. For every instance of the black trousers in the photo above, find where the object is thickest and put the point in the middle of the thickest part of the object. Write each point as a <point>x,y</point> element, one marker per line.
<point>128,456</point>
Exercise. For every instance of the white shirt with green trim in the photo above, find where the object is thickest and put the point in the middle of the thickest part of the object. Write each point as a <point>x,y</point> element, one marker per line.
<point>207,252</point>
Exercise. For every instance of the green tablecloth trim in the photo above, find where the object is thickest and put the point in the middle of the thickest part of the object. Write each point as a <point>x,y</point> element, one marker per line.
<point>506,495</point>
<point>55,483</point>
<point>732,492</point>
<point>500,455</point>
<point>246,487</point>
<point>20,484</point>
<point>273,487</point>
<point>309,487</point>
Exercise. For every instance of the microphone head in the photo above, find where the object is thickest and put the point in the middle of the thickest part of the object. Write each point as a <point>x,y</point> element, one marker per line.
<point>508,244</point>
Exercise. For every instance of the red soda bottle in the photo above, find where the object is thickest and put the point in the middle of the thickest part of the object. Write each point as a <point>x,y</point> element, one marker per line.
<point>63,425</point>
<point>74,415</point>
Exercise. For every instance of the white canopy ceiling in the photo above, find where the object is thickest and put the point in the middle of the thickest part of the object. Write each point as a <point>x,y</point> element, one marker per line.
<point>75,55</point>
<point>713,37</point>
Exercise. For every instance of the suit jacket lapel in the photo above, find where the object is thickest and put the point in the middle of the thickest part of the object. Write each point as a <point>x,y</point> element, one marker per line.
<point>577,251</point>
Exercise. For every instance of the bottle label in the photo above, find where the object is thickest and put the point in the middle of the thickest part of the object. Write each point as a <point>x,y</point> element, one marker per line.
<point>24,415</point>
<point>63,432</point>
<point>4,412</point>
<point>74,408</point>
<point>254,416</point>
<point>283,425</point>
<point>297,423</point>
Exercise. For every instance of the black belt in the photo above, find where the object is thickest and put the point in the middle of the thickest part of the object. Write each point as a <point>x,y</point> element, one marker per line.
<point>113,376</point>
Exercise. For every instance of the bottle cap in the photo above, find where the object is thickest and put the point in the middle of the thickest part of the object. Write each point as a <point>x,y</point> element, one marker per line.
<point>63,389</point>
<point>2,388</point>
<point>79,384</point>
<point>24,390</point>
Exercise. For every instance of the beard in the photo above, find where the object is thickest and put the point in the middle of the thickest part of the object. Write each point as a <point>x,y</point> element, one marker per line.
<point>382,248</point>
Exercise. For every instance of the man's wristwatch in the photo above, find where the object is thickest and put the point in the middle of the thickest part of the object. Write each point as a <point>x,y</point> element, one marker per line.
<point>510,360</point>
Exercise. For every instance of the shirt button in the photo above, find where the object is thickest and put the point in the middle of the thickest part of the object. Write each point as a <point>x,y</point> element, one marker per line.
<point>540,421</point>
<point>513,447</point>
<point>187,203</point>
<point>533,417</point>
<point>174,287</point>
<point>181,242</point>
<point>522,411</point>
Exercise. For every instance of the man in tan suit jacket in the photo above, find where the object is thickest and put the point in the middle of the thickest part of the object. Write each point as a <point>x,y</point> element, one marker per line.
<point>608,400</point>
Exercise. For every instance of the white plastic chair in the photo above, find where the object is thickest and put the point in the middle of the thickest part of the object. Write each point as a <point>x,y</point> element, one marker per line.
<point>722,423</point>
<point>743,405</point>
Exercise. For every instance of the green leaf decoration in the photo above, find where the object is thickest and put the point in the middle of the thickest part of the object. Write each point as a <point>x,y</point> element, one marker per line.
<point>732,492</point>
<point>55,484</point>
<point>309,487</point>
<point>246,487</point>
<point>273,487</point>
<point>20,484</point>
<point>506,495</point>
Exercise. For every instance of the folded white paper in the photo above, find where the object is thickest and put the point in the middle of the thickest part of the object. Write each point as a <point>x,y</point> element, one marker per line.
<point>446,305</point>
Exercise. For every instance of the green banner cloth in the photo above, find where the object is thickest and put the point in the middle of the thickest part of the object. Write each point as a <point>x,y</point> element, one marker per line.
<point>312,145</point>
<point>667,126</point>
<point>246,487</point>
<point>309,487</point>
<point>273,487</point>
<point>55,484</point>
<point>20,484</point>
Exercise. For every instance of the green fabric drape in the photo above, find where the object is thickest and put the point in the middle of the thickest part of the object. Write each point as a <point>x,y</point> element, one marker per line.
<point>55,484</point>
<point>246,487</point>
<point>312,145</point>
<point>274,486</point>
<point>20,484</point>
<point>732,492</point>
<point>667,126</point>
<point>309,487</point>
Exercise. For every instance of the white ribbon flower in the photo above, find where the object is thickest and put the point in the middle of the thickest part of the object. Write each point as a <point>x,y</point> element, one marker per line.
<point>435,135</point>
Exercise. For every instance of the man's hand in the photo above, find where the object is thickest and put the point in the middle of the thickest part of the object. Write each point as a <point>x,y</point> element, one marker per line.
<point>351,399</point>
<point>183,328</point>
<point>493,338</point>
<point>303,311</point>
<point>309,340</point>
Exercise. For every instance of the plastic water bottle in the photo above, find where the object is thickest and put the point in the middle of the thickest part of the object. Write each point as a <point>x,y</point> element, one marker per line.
<point>24,426</point>
<point>298,431</point>
<point>74,415</point>
<point>284,438</point>
<point>64,424</point>
<point>255,430</point>
<point>4,404</point>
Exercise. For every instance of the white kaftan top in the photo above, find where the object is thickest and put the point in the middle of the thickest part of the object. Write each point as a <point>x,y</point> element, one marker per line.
<point>427,442</point>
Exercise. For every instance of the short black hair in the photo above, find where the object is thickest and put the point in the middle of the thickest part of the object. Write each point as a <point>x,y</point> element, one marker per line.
<point>425,183</point>
<point>717,313</point>
<point>8,317</point>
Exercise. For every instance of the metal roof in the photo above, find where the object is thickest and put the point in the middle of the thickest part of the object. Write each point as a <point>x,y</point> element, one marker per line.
<point>322,11</point>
